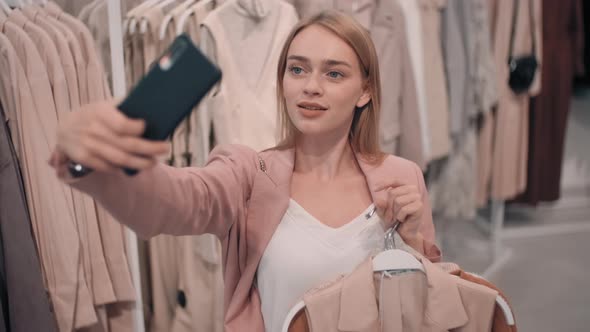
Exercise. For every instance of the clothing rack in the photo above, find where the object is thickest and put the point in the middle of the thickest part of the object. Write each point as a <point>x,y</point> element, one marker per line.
<point>119,90</point>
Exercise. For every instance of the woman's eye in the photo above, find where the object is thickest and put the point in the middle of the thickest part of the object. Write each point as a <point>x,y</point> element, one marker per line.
<point>335,74</point>
<point>296,70</point>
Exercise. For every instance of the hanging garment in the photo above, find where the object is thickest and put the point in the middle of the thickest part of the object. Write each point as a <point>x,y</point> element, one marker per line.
<point>136,55</point>
<point>472,90</point>
<point>411,301</point>
<point>243,108</point>
<point>362,10</point>
<point>84,13</point>
<point>413,20</point>
<point>96,272</point>
<point>50,57</point>
<point>25,305</point>
<point>435,79</point>
<point>469,62</point>
<point>50,203</point>
<point>98,19</point>
<point>105,262</point>
<point>563,31</point>
<point>76,51</point>
<point>508,143</point>
<point>152,45</point>
<point>480,57</point>
<point>112,239</point>
<point>97,88</point>
<point>503,316</point>
<point>401,132</point>
<point>66,56</point>
<point>192,152</point>
<point>199,305</point>
<point>248,193</point>
<point>163,249</point>
<point>73,7</point>
<point>199,294</point>
<point>453,190</point>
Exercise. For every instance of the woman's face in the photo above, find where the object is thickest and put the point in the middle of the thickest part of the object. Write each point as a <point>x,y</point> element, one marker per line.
<point>322,83</point>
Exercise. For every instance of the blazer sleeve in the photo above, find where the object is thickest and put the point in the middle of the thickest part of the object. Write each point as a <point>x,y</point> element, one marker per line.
<point>430,249</point>
<point>179,201</point>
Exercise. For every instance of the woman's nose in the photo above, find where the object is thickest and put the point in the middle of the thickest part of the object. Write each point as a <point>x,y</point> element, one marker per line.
<point>312,87</point>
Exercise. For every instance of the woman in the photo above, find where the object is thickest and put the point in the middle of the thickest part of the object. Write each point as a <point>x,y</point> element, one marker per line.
<point>289,217</point>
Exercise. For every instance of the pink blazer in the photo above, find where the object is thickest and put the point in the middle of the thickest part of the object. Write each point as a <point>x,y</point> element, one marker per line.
<point>240,196</point>
<point>368,301</point>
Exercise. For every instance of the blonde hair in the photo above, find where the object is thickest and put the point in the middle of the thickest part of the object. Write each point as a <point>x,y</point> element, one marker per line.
<point>364,132</point>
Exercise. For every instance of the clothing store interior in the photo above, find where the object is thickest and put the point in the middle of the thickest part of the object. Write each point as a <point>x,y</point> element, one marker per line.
<point>489,98</point>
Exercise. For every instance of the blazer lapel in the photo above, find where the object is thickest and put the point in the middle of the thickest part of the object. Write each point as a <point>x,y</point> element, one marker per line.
<point>269,200</point>
<point>444,305</point>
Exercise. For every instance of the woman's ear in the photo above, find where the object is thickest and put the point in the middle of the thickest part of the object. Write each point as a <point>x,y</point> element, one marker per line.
<point>364,99</point>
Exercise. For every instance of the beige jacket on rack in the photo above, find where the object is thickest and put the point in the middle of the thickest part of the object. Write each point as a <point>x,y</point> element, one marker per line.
<point>361,10</point>
<point>503,141</point>
<point>413,21</point>
<point>401,133</point>
<point>50,203</point>
<point>163,249</point>
<point>76,51</point>
<point>200,274</point>
<point>243,108</point>
<point>65,54</point>
<point>110,276</point>
<point>110,234</point>
<point>186,281</point>
<point>435,79</point>
<point>95,269</point>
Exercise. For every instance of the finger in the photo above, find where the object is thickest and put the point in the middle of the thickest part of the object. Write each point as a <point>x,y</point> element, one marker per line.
<point>403,200</point>
<point>384,208</point>
<point>119,157</point>
<point>57,158</point>
<point>408,211</point>
<point>89,160</point>
<point>389,214</point>
<point>404,190</point>
<point>99,165</point>
<point>130,144</point>
<point>121,124</point>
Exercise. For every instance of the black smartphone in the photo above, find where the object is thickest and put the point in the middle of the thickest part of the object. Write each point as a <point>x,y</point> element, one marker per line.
<point>173,86</point>
<point>176,82</point>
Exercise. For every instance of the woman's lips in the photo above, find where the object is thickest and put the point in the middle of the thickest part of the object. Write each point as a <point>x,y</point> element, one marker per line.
<point>311,110</point>
<point>310,113</point>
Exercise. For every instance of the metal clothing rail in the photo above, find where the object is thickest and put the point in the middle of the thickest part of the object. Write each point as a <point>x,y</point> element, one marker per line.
<point>119,89</point>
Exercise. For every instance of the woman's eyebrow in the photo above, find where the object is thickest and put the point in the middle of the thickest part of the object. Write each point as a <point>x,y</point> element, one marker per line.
<point>327,62</point>
<point>298,58</point>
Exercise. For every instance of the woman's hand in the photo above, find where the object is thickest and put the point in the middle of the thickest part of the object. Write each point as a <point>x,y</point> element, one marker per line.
<point>101,137</point>
<point>403,203</point>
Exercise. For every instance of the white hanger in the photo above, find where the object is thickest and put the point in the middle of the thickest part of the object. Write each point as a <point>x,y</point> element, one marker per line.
<point>392,259</point>
<point>143,25</point>
<point>140,7</point>
<point>181,25</point>
<point>168,18</point>
<point>292,313</point>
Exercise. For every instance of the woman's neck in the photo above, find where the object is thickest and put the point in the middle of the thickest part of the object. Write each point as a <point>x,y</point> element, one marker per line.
<point>324,161</point>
